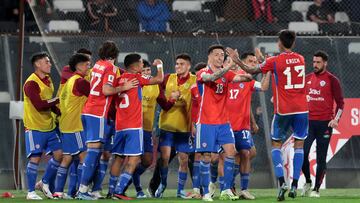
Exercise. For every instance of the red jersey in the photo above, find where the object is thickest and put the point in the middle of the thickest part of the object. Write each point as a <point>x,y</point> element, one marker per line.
<point>323,89</point>
<point>239,98</point>
<point>213,98</point>
<point>129,103</point>
<point>97,104</point>
<point>288,82</point>
<point>195,102</point>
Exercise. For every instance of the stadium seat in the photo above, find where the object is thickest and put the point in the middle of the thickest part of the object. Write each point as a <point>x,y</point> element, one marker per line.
<point>199,16</point>
<point>304,27</point>
<point>126,26</point>
<point>245,27</point>
<point>69,5</point>
<point>341,17</point>
<point>186,5</point>
<point>269,47</point>
<point>354,47</point>
<point>295,16</point>
<point>335,28</point>
<point>224,27</point>
<point>64,25</point>
<point>178,16</point>
<point>301,6</point>
<point>4,97</point>
<point>185,26</point>
<point>122,55</point>
<point>7,26</point>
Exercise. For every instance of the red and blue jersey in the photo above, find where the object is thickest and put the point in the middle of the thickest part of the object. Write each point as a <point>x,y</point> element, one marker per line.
<point>129,103</point>
<point>97,104</point>
<point>288,82</point>
<point>213,98</point>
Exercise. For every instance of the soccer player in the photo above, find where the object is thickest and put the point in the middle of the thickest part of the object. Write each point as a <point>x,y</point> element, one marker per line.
<point>213,126</point>
<point>128,140</point>
<point>323,88</point>
<point>239,97</point>
<point>95,112</point>
<point>74,177</point>
<point>72,99</point>
<point>149,95</point>
<point>195,104</point>
<point>290,105</point>
<point>175,122</point>
<point>40,126</point>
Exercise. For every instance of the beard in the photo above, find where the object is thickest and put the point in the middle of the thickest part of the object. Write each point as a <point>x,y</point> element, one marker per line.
<point>318,70</point>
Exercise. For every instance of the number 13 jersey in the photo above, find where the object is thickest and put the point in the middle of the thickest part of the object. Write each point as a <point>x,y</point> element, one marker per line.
<point>288,82</point>
<point>213,98</point>
<point>97,104</point>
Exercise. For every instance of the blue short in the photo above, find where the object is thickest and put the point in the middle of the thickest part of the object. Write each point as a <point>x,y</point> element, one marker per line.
<point>128,142</point>
<point>73,143</point>
<point>108,145</point>
<point>298,122</point>
<point>252,144</point>
<point>95,128</point>
<point>183,142</point>
<point>208,137</point>
<point>36,142</point>
<point>148,142</point>
<point>242,140</point>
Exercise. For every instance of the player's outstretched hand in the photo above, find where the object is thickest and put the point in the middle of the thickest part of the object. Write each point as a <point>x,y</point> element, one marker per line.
<point>131,84</point>
<point>157,62</point>
<point>333,123</point>
<point>259,56</point>
<point>228,63</point>
<point>234,54</point>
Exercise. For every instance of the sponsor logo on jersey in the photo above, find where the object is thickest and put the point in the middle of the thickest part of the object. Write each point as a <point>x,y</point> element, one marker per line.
<point>241,85</point>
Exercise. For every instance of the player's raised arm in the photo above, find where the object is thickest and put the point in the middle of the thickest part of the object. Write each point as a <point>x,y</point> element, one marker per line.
<point>206,77</point>
<point>265,82</point>
<point>160,73</point>
<point>235,57</point>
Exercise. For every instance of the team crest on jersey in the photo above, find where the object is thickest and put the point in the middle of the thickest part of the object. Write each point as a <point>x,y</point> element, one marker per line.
<point>204,144</point>
<point>186,86</point>
<point>37,146</point>
<point>223,80</point>
<point>241,85</point>
<point>322,83</point>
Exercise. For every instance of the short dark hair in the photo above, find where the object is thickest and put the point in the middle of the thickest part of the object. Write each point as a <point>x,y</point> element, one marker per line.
<point>215,46</point>
<point>131,59</point>
<point>84,51</point>
<point>287,38</point>
<point>183,56</point>
<point>146,63</point>
<point>245,55</point>
<point>77,58</point>
<point>322,54</point>
<point>108,50</point>
<point>37,56</point>
<point>200,66</point>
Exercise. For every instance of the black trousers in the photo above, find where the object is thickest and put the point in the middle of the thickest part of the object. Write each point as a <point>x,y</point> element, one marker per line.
<point>319,131</point>
<point>155,180</point>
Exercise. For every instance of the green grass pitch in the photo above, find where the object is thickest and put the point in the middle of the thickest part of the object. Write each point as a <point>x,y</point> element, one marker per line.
<point>262,195</point>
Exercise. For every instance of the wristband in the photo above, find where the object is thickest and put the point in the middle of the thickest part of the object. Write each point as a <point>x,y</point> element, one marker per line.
<point>159,66</point>
<point>338,114</point>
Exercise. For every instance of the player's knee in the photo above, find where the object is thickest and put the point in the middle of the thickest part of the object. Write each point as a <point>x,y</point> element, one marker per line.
<point>206,157</point>
<point>298,144</point>
<point>96,145</point>
<point>58,155</point>
<point>35,159</point>
<point>106,156</point>
<point>253,152</point>
<point>245,154</point>
<point>66,160</point>
<point>276,144</point>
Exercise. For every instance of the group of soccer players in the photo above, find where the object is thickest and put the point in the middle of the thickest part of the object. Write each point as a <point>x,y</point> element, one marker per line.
<point>108,115</point>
